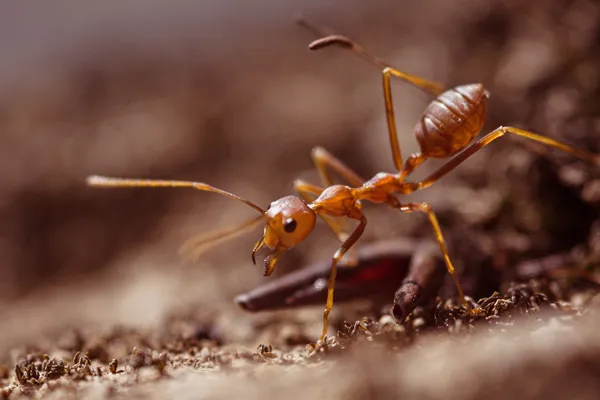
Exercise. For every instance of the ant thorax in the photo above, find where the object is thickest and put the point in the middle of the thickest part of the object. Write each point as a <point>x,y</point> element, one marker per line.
<point>336,201</point>
<point>378,189</point>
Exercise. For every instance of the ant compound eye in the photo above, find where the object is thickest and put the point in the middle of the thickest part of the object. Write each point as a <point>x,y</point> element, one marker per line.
<point>290,225</point>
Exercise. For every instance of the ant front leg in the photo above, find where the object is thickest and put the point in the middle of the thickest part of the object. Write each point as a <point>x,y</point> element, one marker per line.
<point>339,254</point>
<point>324,162</point>
<point>489,138</point>
<point>426,209</point>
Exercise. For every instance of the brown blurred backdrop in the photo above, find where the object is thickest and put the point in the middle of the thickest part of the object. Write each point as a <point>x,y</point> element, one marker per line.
<point>227,93</point>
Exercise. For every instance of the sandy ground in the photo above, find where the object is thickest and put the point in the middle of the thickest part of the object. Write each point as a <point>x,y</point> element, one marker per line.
<point>229,94</point>
<point>525,346</point>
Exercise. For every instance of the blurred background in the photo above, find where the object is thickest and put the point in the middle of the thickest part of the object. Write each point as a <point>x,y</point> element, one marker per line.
<point>227,93</point>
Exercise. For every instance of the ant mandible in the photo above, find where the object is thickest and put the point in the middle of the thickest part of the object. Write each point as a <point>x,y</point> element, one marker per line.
<point>450,122</point>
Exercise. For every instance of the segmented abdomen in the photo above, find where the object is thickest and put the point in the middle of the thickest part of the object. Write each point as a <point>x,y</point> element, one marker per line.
<point>452,120</point>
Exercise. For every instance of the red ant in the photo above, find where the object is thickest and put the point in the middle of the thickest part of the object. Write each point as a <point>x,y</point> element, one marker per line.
<point>450,122</point>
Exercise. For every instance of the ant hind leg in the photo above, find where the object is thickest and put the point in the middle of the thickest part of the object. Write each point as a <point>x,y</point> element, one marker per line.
<point>426,209</point>
<point>388,71</point>
<point>492,136</point>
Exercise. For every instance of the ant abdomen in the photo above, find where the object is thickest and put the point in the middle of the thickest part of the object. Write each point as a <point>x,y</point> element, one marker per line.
<point>452,120</point>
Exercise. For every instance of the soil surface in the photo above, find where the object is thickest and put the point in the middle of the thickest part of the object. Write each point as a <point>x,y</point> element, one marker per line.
<point>95,301</point>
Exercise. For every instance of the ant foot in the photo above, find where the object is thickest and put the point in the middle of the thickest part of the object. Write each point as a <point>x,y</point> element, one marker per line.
<point>321,345</point>
<point>314,347</point>
<point>476,312</point>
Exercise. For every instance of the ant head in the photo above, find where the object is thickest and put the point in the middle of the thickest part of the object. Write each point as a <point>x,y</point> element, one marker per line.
<point>289,221</point>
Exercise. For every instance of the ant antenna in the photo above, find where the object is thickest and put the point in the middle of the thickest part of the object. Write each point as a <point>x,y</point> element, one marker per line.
<point>105,182</point>
<point>198,245</point>
<point>195,247</point>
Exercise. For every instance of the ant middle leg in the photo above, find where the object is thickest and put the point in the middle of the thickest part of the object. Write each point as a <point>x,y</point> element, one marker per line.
<point>489,138</point>
<point>324,161</point>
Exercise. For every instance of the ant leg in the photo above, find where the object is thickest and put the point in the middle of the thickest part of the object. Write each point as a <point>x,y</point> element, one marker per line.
<point>388,71</point>
<point>431,87</point>
<point>328,39</point>
<point>410,165</point>
<point>324,160</point>
<point>339,254</point>
<point>489,138</point>
<point>426,209</point>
